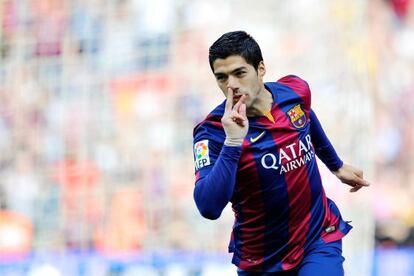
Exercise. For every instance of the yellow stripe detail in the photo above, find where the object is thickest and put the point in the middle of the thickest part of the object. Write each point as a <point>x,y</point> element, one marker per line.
<point>269,115</point>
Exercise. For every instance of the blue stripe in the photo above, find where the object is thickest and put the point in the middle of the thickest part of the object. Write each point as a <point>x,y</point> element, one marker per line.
<point>317,209</point>
<point>236,243</point>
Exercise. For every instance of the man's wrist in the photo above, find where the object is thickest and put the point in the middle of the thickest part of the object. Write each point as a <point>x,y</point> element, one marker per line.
<point>335,169</point>
<point>233,142</point>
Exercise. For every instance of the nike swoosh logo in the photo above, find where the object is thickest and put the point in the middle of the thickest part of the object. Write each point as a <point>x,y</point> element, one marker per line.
<point>257,137</point>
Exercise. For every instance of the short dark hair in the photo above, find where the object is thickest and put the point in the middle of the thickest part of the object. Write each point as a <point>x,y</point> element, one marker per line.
<point>236,43</point>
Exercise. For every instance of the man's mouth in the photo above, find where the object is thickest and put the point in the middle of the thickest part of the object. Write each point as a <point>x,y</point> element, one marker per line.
<point>236,98</point>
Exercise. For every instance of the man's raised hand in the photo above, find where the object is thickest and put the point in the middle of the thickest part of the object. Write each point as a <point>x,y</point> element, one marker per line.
<point>234,120</point>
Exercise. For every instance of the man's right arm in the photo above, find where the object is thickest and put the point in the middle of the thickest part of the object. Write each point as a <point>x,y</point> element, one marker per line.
<point>215,184</point>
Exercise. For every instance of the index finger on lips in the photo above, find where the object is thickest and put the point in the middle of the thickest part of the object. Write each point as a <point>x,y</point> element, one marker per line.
<point>237,105</point>
<point>229,101</point>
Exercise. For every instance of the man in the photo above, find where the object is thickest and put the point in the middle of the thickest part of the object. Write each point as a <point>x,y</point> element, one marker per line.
<point>257,150</point>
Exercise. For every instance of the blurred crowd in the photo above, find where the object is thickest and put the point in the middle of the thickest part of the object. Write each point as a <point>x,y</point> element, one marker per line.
<point>98,99</point>
<point>392,35</point>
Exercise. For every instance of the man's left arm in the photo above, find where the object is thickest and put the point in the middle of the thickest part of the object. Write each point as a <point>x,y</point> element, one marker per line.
<point>348,174</point>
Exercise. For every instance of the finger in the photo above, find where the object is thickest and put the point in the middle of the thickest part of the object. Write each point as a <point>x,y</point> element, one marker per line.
<point>366,183</point>
<point>359,173</point>
<point>229,101</point>
<point>355,189</point>
<point>240,122</point>
<point>361,182</point>
<point>237,116</point>
<point>242,110</point>
<point>239,102</point>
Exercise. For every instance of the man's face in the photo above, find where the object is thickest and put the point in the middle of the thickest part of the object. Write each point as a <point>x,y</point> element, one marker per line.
<point>235,73</point>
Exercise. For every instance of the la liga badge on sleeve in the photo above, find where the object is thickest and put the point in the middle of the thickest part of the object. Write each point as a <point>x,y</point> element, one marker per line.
<point>201,154</point>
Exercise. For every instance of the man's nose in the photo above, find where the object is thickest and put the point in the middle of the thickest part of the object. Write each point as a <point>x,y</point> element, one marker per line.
<point>233,83</point>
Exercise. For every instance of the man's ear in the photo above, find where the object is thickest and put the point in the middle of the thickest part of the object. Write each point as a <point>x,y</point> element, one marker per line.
<point>261,69</point>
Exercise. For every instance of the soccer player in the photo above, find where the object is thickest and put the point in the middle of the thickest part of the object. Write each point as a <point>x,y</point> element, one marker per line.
<point>257,150</point>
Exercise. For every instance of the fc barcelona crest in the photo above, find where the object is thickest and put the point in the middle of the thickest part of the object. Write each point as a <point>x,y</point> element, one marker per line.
<point>297,116</point>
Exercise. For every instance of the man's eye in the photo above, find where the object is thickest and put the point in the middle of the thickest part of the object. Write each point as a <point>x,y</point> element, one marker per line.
<point>221,78</point>
<point>240,74</point>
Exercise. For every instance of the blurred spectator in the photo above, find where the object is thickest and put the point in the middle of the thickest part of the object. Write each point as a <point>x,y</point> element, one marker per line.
<point>125,228</point>
<point>49,25</point>
<point>22,186</point>
<point>81,207</point>
<point>16,234</point>
<point>86,26</point>
<point>119,51</point>
<point>9,26</point>
<point>401,8</point>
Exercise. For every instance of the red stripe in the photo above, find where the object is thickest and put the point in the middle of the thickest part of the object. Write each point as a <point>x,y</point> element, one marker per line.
<point>299,193</point>
<point>212,119</point>
<point>216,124</point>
<point>253,212</point>
<point>329,220</point>
<point>197,176</point>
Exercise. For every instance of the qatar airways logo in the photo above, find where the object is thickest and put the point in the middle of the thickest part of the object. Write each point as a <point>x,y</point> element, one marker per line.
<point>290,157</point>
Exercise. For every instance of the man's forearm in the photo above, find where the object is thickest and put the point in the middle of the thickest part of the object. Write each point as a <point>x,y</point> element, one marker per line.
<point>323,147</point>
<point>213,192</point>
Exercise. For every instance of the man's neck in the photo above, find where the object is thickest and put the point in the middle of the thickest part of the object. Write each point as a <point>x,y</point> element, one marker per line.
<point>262,105</point>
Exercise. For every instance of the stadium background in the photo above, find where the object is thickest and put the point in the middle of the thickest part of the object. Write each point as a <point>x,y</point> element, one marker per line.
<point>98,99</point>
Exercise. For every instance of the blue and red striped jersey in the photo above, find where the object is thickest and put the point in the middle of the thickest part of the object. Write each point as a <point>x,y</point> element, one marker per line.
<point>272,181</point>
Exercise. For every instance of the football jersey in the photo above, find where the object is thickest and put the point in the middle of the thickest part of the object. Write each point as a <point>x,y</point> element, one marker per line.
<point>272,181</point>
